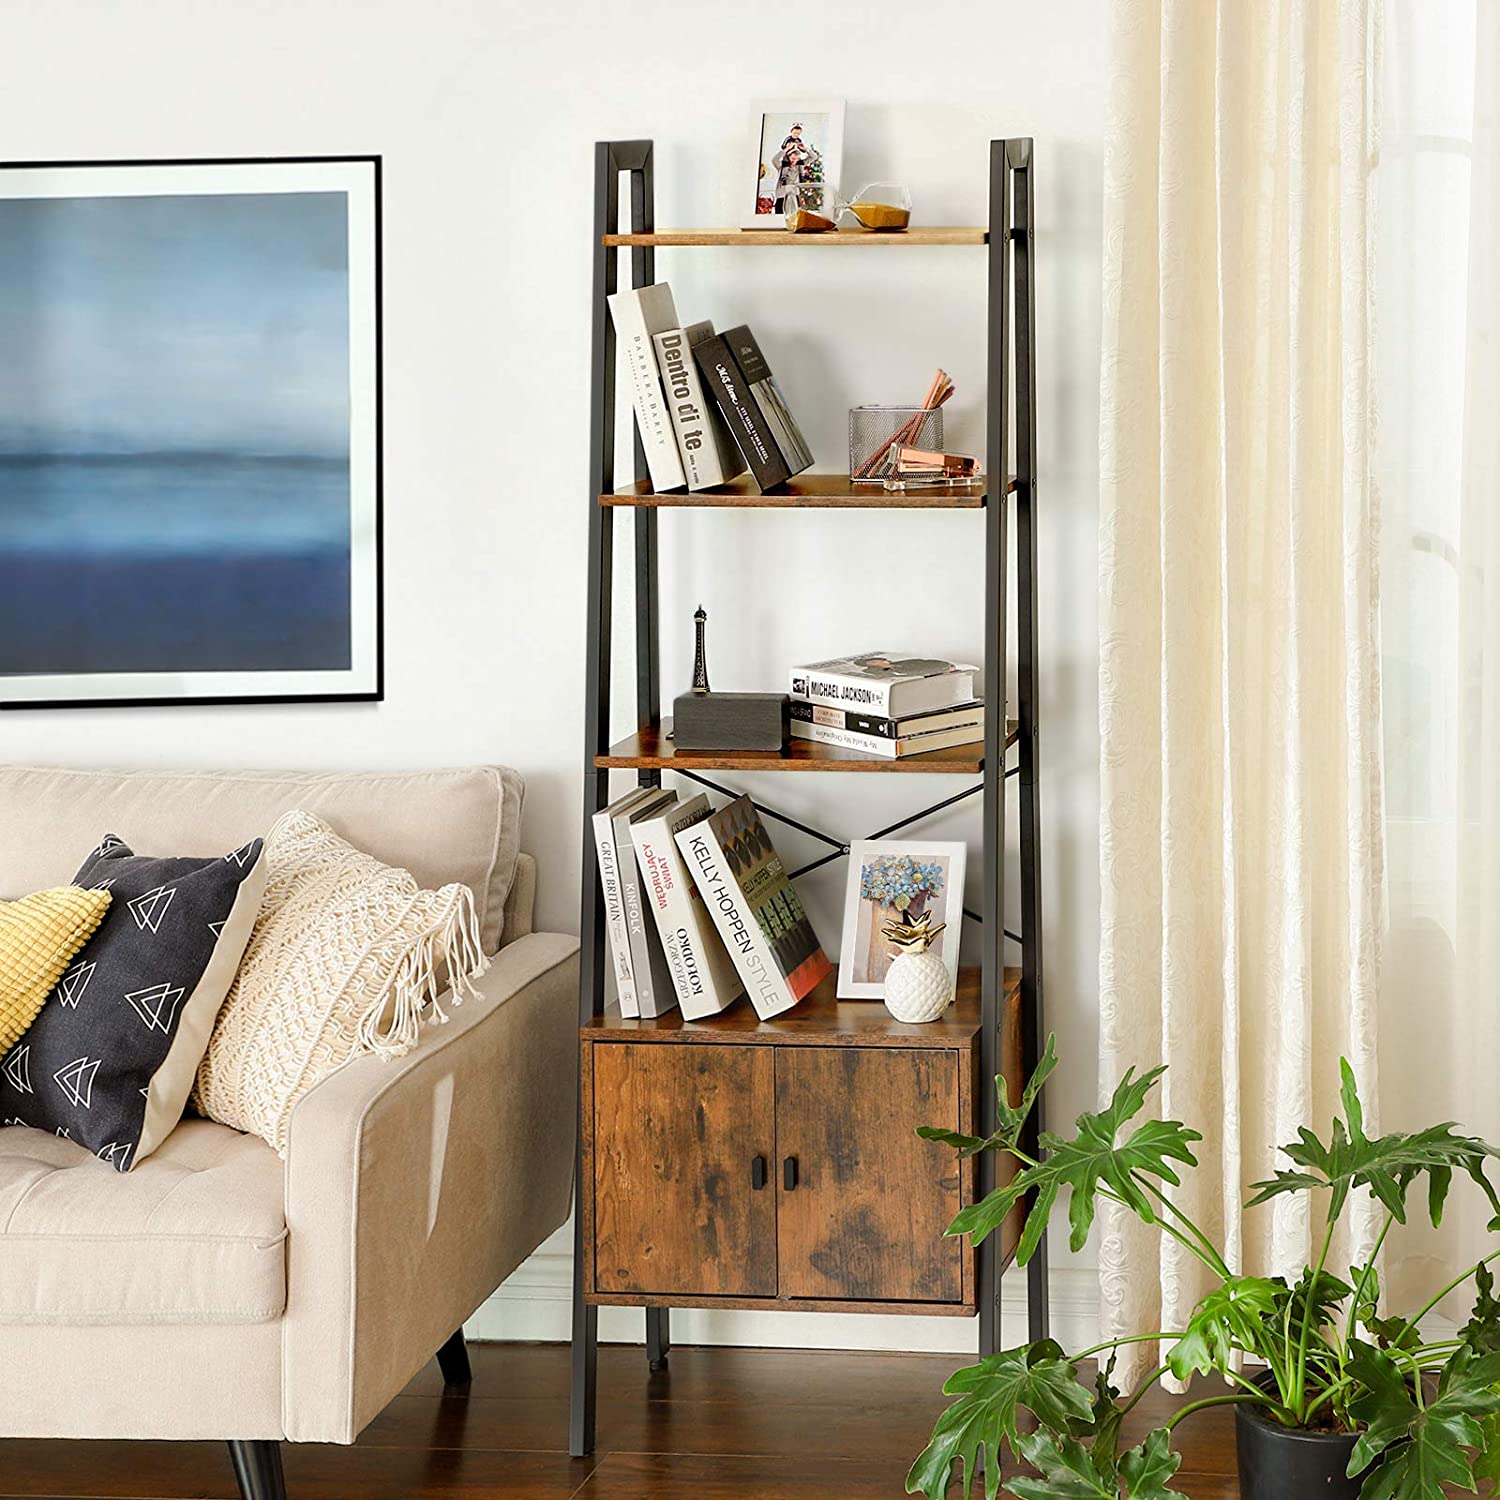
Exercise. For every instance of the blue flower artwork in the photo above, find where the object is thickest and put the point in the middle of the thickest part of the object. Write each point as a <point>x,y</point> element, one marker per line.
<point>189,503</point>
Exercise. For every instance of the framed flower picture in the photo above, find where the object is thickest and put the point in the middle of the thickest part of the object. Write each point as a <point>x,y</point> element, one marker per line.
<point>890,880</point>
<point>189,431</point>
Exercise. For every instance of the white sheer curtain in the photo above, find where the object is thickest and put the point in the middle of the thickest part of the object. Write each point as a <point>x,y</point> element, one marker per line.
<point>1437,461</point>
<point>1242,819</point>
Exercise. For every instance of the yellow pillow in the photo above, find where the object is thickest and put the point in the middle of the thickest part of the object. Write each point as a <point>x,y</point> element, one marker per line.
<point>39,936</point>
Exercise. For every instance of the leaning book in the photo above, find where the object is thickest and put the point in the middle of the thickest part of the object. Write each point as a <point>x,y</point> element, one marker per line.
<point>639,315</point>
<point>702,973</point>
<point>709,455</point>
<point>752,406</point>
<point>755,907</point>
<point>617,938</point>
<point>655,993</point>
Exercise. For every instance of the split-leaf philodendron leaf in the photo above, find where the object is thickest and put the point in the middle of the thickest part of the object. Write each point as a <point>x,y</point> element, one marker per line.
<point>1416,1450</point>
<point>1038,1378</point>
<point>1090,1160</point>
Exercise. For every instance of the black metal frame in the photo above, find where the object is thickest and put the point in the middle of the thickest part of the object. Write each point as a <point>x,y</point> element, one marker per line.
<point>376,694</point>
<point>1010,295</point>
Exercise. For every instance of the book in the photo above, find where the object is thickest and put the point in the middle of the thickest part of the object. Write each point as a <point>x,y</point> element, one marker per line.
<point>892,729</point>
<point>708,451</point>
<point>738,378</point>
<point>702,972</point>
<point>617,940</point>
<point>884,747</point>
<point>655,993</point>
<point>755,907</point>
<point>888,684</point>
<point>639,314</point>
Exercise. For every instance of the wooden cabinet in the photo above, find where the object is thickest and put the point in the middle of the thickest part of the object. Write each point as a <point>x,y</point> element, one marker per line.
<point>735,1163</point>
<point>677,1131</point>
<point>860,1212</point>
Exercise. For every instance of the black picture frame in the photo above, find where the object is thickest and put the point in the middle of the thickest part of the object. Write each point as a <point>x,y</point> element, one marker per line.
<point>375,693</point>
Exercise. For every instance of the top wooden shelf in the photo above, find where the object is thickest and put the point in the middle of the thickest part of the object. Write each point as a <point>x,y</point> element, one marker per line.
<point>938,234</point>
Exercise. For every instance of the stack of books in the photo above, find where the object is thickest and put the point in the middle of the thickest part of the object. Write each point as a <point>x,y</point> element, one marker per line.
<point>699,909</point>
<point>706,403</point>
<point>887,703</point>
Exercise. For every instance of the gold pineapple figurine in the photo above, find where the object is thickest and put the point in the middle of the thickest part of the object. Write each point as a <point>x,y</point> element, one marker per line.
<point>918,986</point>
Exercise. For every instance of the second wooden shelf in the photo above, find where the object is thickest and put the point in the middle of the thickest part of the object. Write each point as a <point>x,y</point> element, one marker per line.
<point>650,749</point>
<point>804,492</point>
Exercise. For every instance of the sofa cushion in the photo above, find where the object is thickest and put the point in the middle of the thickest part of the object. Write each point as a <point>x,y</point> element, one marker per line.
<point>38,937</point>
<point>196,1234</point>
<point>443,826</point>
<point>347,956</point>
<point>110,1061</point>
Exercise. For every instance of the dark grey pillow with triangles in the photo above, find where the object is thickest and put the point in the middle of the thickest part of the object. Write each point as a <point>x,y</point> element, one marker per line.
<point>110,1059</point>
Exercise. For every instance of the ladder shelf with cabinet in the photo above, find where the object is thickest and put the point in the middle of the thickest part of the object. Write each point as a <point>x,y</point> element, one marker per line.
<point>735,1163</point>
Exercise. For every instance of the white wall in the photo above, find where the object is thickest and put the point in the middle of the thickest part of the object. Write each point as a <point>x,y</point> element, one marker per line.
<point>486,115</point>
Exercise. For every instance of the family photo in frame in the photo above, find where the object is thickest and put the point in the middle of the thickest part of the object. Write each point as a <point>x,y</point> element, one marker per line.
<point>799,149</point>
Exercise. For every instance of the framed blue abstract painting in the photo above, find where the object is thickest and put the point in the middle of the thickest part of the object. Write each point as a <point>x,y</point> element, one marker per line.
<point>190,476</point>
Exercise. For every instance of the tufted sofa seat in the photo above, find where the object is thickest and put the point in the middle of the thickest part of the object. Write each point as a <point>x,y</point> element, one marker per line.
<point>195,1234</point>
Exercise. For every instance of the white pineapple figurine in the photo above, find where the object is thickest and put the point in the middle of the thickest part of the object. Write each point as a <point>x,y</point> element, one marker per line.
<point>918,986</point>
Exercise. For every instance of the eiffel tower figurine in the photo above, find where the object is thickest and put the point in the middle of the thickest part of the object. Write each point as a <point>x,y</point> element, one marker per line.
<point>700,655</point>
<point>705,720</point>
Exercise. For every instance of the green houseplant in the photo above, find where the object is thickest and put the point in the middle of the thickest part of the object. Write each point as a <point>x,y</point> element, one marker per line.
<point>1405,1415</point>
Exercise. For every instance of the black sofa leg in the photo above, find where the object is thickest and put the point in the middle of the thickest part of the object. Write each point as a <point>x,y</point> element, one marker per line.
<point>257,1468</point>
<point>453,1361</point>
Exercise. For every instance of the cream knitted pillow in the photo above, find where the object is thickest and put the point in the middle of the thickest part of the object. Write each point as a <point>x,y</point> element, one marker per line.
<point>346,955</point>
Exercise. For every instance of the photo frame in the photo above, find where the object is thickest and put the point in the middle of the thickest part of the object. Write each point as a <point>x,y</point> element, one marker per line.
<point>190,432</point>
<point>796,144</point>
<point>890,878</point>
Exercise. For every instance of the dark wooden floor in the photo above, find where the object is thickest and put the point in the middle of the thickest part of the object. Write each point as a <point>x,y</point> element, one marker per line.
<point>721,1424</point>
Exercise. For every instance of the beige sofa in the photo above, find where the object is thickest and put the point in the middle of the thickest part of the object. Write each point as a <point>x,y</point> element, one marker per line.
<point>217,1292</point>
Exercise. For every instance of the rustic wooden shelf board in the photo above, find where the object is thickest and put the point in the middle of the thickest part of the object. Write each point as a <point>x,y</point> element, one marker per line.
<point>650,750</point>
<point>921,236</point>
<point>822,1020</point>
<point>804,492</point>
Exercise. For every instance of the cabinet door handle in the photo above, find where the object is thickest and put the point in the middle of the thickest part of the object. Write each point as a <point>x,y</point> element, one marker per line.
<point>789,1173</point>
<point>758,1173</point>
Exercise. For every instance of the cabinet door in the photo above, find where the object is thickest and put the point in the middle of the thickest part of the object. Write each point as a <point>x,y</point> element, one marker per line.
<point>862,1212</point>
<point>677,1128</point>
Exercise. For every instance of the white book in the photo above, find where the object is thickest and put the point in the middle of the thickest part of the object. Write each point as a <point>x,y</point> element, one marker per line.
<point>639,314</point>
<point>702,971</point>
<point>709,453</point>
<point>755,907</point>
<point>892,684</point>
<point>617,939</point>
<point>655,993</point>
<point>884,748</point>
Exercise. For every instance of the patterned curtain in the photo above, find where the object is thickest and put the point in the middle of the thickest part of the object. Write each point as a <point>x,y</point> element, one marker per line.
<point>1241,777</point>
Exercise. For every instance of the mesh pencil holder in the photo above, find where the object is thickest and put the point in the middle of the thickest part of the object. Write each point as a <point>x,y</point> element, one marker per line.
<point>871,429</point>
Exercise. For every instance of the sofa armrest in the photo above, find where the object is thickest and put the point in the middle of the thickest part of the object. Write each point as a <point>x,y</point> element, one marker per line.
<point>415,1187</point>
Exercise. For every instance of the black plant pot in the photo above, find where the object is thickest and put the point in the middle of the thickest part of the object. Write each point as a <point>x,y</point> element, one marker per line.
<point>1282,1463</point>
